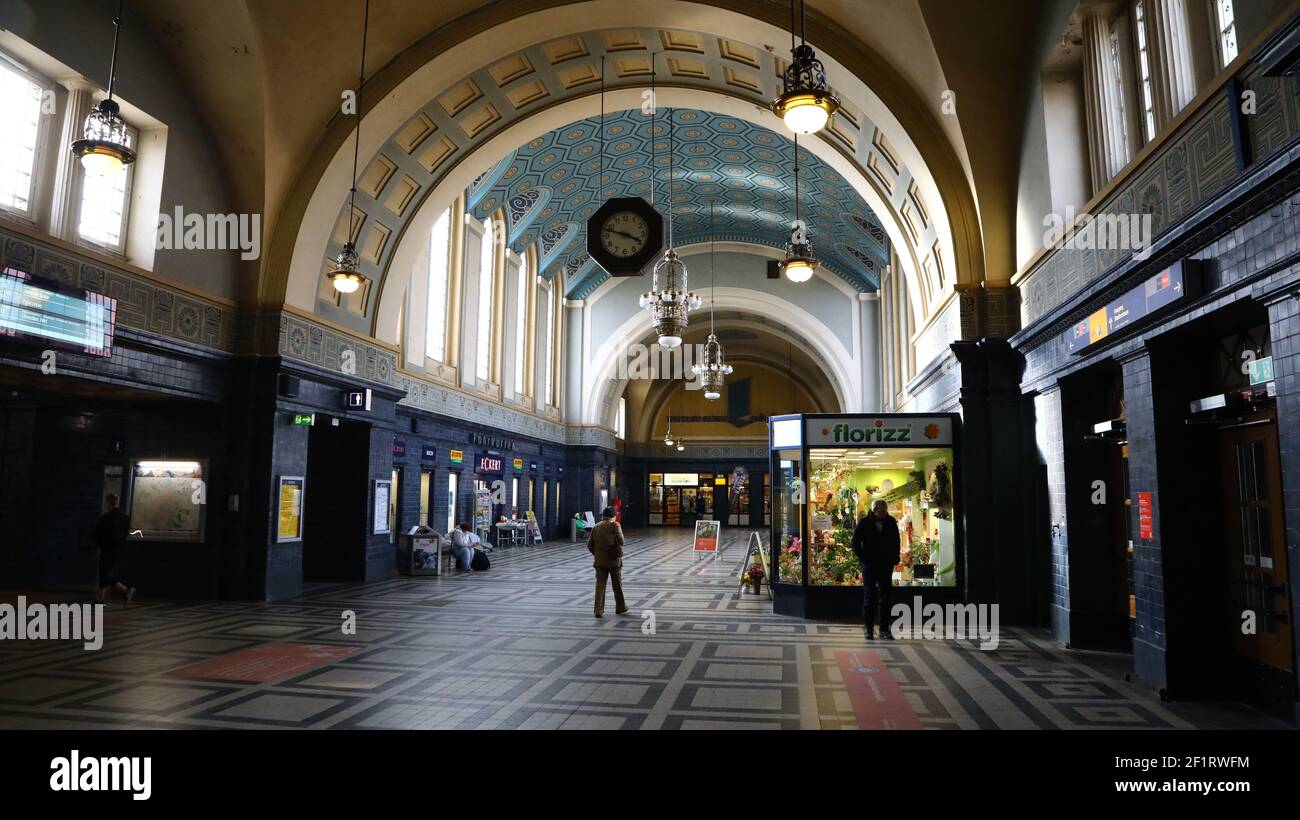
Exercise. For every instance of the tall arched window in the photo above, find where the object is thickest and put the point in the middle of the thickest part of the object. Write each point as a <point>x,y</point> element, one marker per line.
<point>523,306</point>
<point>486,280</point>
<point>435,346</point>
<point>549,371</point>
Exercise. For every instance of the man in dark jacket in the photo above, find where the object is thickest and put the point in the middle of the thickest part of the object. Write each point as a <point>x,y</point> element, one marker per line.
<point>876,543</point>
<point>606,547</point>
<point>110,537</point>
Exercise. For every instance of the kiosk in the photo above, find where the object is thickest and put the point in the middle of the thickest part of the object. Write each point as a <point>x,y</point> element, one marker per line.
<point>827,471</point>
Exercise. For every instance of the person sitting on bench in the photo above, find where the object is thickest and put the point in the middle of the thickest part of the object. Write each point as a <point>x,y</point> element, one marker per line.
<point>463,543</point>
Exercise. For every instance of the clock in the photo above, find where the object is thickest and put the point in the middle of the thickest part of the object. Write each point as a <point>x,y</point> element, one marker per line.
<point>625,236</point>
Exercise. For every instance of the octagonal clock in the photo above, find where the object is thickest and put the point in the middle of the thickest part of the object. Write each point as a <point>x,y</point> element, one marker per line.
<point>625,236</point>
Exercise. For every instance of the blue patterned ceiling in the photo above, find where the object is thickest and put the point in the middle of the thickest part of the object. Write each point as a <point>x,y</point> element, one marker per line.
<point>548,188</point>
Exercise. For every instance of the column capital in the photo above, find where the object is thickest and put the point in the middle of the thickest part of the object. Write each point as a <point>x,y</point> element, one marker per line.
<point>77,83</point>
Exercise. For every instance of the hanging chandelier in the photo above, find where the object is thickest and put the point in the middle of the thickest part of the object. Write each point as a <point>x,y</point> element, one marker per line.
<point>669,298</point>
<point>806,102</point>
<point>105,146</point>
<point>713,368</point>
<point>799,262</point>
<point>347,276</point>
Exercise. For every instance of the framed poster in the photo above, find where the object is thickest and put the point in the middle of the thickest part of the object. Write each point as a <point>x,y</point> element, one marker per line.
<point>289,499</point>
<point>379,516</point>
<point>168,499</point>
<point>706,539</point>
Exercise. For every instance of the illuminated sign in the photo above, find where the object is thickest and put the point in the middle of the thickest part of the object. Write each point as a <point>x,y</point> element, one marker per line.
<point>304,419</point>
<point>1156,293</point>
<point>357,399</point>
<point>681,479</point>
<point>38,309</point>
<point>489,464</point>
<point>456,456</point>
<point>519,464</point>
<point>896,431</point>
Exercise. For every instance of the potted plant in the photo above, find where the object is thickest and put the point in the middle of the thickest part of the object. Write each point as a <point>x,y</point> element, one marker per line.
<point>754,578</point>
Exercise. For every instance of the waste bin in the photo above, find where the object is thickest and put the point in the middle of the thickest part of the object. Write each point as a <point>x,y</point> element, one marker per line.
<point>419,552</point>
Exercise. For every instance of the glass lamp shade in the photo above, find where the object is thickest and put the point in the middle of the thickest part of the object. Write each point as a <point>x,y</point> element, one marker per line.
<point>680,446</point>
<point>806,104</point>
<point>105,145</point>
<point>712,395</point>
<point>346,275</point>
<point>799,262</point>
<point>798,270</point>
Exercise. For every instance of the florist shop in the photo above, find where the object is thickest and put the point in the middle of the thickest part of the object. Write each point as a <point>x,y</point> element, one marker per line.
<point>827,472</point>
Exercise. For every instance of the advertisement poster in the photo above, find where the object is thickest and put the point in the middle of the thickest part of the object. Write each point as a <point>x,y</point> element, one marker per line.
<point>1144,516</point>
<point>383,494</point>
<point>290,508</point>
<point>534,529</point>
<point>706,536</point>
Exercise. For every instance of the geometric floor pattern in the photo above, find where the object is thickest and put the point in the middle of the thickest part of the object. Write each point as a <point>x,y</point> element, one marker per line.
<point>517,648</point>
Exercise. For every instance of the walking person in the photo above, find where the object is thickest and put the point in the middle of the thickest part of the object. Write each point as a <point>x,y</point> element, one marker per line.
<point>606,547</point>
<point>110,538</point>
<point>876,543</point>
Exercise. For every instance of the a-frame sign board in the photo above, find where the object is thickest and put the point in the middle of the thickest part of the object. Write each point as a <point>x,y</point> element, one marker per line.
<point>755,550</point>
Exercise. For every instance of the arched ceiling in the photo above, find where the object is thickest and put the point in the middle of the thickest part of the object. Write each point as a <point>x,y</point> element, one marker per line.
<point>745,343</point>
<point>549,187</point>
<point>267,74</point>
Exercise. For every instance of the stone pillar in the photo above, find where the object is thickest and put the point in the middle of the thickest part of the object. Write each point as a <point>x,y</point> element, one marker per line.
<point>1173,81</point>
<point>1284,334</point>
<point>1051,447</point>
<point>1149,644</point>
<point>1108,147</point>
<point>64,205</point>
<point>1002,486</point>
<point>872,393</point>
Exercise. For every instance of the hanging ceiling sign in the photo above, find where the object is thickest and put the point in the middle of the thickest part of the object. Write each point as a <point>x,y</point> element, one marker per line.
<point>1158,292</point>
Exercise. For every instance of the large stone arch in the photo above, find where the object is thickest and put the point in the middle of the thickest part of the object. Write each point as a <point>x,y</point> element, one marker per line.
<point>804,330</point>
<point>905,126</point>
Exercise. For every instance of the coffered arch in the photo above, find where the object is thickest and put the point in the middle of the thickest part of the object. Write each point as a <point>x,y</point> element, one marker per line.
<point>927,214</point>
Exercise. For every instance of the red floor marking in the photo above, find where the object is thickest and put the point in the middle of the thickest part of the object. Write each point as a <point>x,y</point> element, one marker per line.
<point>877,699</point>
<point>265,663</point>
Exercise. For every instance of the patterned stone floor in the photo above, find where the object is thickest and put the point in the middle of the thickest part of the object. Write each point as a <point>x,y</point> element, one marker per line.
<point>516,647</point>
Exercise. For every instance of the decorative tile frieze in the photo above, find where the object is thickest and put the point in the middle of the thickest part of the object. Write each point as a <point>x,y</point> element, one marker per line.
<point>142,304</point>
<point>1198,162</point>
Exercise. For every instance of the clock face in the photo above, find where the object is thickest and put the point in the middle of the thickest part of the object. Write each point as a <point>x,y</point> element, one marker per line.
<point>624,234</point>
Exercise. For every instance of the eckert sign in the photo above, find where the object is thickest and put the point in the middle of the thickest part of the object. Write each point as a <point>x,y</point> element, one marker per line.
<point>898,431</point>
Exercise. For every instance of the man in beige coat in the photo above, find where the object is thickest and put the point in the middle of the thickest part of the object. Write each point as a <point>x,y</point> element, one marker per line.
<point>606,547</point>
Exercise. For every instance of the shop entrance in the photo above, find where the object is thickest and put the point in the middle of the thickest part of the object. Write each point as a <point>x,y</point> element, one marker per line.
<point>337,495</point>
<point>1255,547</point>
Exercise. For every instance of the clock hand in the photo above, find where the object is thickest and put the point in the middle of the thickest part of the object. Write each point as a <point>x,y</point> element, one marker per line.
<point>621,233</point>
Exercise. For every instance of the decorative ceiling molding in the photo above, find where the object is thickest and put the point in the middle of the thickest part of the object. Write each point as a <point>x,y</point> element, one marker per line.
<point>748,169</point>
<point>452,124</point>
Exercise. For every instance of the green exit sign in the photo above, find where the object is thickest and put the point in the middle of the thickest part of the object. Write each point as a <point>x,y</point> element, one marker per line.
<point>304,419</point>
<point>1261,370</point>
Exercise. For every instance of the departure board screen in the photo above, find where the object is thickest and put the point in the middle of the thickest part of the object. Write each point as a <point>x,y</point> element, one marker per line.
<point>42,311</point>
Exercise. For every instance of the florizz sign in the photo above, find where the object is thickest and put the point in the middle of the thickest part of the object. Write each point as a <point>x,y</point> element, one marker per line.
<point>908,431</point>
